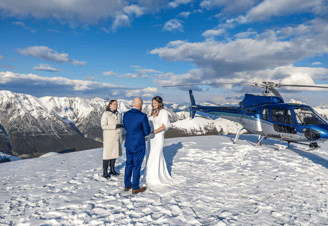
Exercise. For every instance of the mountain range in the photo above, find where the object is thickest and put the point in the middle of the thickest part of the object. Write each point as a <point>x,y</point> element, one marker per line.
<point>31,126</point>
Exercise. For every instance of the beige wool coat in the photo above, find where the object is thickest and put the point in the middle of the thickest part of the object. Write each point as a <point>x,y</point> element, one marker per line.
<point>112,139</point>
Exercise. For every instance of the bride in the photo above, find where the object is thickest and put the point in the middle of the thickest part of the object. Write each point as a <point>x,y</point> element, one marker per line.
<point>156,174</point>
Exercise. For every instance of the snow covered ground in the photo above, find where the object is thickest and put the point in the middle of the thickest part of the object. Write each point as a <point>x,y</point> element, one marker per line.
<point>226,185</point>
<point>11,157</point>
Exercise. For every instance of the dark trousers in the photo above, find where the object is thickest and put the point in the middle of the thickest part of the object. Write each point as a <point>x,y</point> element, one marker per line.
<point>133,163</point>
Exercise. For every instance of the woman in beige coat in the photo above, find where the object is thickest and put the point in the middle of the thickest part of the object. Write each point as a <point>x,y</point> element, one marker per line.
<point>111,123</point>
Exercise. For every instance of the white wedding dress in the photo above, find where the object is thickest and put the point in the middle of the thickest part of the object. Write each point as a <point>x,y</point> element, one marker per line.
<point>156,174</point>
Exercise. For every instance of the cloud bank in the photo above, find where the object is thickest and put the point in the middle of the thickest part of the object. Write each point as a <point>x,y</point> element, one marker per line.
<point>231,59</point>
<point>46,67</point>
<point>141,73</point>
<point>45,53</point>
<point>121,12</point>
<point>59,86</point>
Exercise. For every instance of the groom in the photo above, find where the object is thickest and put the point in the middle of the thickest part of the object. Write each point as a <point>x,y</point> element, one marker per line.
<point>137,128</point>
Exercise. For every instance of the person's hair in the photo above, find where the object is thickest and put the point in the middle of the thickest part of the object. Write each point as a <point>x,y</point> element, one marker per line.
<point>136,101</point>
<point>160,104</point>
<point>108,106</point>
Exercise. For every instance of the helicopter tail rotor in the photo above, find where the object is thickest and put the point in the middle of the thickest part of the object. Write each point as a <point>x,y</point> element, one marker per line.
<point>193,104</point>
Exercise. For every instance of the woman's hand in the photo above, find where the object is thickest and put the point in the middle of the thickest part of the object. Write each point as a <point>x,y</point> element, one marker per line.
<point>160,129</point>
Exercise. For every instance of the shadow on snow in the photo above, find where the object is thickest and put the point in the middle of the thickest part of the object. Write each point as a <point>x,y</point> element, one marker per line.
<point>298,150</point>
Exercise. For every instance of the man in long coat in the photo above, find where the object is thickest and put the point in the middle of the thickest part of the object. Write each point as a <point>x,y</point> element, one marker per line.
<point>137,128</point>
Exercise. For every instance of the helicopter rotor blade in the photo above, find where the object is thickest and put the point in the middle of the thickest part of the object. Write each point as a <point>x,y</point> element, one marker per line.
<point>204,84</point>
<point>309,86</point>
<point>275,92</point>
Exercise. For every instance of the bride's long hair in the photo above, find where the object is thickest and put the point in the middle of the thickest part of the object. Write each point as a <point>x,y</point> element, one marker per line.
<point>160,104</point>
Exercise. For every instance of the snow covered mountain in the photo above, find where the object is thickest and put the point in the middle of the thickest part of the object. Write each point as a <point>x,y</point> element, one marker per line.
<point>30,130</point>
<point>73,123</point>
<point>321,109</point>
<point>86,113</point>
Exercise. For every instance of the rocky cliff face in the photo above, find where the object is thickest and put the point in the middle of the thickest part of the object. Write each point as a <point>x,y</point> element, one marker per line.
<point>5,146</point>
<point>31,130</point>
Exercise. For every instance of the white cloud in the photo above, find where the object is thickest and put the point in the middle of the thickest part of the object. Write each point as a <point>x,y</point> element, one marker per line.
<point>271,8</point>
<point>173,25</point>
<point>214,32</point>
<point>110,73</point>
<point>121,20</point>
<point>184,14</point>
<point>176,3</point>
<point>134,9</point>
<point>8,66</point>
<point>75,11</point>
<point>59,86</point>
<point>197,11</point>
<point>219,30</point>
<point>246,34</point>
<point>24,26</point>
<point>128,75</point>
<point>285,75</point>
<point>89,78</point>
<point>316,63</point>
<point>146,92</point>
<point>241,56</point>
<point>54,30</point>
<point>8,78</point>
<point>46,67</point>
<point>45,53</point>
<point>264,51</point>
<point>228,6</point>
<point>1,57</point>
<point>81,12</point>
<point>141,73</point>
<point>104,30</point>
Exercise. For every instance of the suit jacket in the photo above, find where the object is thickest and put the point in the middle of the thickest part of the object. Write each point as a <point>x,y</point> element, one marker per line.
<point>137,128</point>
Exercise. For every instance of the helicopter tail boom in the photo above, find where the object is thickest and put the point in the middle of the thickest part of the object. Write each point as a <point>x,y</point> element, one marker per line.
<point>231,113</point>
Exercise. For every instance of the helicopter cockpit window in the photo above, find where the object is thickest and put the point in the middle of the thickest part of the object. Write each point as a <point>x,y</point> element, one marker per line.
<point>282,115</point>
<point>305,116</point>
<point>265,114</point>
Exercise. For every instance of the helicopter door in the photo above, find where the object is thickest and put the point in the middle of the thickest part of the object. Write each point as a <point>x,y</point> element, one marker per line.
<point>283,121</point>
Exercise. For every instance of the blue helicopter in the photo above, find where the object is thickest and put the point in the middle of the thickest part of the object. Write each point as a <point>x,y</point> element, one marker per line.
<point>270,117</point>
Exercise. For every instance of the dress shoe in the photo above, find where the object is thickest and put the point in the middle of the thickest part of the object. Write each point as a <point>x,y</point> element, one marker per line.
<point>139,190</point>
<point>128,189</point>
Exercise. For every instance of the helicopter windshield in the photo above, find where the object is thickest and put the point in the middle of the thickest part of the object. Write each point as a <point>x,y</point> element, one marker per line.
<point>306,116</point>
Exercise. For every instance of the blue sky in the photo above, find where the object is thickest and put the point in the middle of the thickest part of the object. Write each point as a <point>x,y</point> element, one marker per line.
<point>122,49</point>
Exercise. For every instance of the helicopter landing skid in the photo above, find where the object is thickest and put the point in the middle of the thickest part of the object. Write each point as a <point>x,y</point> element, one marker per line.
<point>269,145</point>
<point>237,136</point>
<point>313,146</point>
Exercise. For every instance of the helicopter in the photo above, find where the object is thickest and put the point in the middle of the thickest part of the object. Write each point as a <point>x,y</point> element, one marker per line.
<point>270,117</point>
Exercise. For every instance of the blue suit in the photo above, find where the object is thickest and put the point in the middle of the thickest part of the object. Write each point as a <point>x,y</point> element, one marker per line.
<point>137,128</point>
